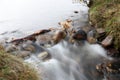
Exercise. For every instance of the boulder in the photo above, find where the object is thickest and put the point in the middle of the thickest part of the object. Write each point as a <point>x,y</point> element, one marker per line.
<point>107,41</point>
<point>44,56</point>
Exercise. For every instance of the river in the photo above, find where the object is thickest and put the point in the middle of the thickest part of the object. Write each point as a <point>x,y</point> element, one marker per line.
<point>19,18</point>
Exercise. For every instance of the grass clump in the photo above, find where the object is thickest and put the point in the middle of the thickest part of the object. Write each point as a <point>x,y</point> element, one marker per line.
<point>12,68</point>
<point>106,14</point>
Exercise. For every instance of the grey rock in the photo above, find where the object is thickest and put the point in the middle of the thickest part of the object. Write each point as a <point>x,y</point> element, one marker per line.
<point>44,56</point>
<point>23,54</point>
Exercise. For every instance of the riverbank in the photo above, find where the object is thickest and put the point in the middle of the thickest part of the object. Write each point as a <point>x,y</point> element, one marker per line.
<point>106,14</point>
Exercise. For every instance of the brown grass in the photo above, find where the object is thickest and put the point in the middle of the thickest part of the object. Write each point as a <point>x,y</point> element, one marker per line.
<point>12,68</point>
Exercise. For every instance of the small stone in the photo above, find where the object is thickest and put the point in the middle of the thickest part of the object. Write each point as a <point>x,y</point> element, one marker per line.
<point>100,30</point>
<point>11,48</point>
<point>44,39</point>
<point>44,56</point>
<point>66,24</point>
<point>23,54</point>
<point>29,47</point>
<point>59,35</point>
<point>91,40</point>
<point>107,41</point>
<point>80,35</point>
<point>100,34</point>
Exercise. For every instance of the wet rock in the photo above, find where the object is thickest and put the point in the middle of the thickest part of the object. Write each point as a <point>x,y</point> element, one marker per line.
<point>29,47</point>
<point>31,37</point>
<point>101,34</point>
<point>66,24</point>
<point>100,30</point>
<point>80,35</point>
<point>44,39</point>
<point>107,41</point>
<point>91,33</point>
<point>113,52</point>
<point>11,48</point>
<point>59,35</point>
<point>23,54</point>
<point>44,56</point>
<point>86,28</point>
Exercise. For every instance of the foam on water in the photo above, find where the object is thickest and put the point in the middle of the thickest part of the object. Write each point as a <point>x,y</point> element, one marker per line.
<point>70,62</point>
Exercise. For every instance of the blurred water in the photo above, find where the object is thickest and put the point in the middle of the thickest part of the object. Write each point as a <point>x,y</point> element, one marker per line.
<point>31,15</point>
<point>70,62</point>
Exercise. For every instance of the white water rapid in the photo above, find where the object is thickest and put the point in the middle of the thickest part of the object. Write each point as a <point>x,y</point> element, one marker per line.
<point>70,62</point>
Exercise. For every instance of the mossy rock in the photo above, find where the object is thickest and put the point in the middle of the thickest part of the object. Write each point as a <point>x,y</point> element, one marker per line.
<point>12,68</point>
<point>106,14</point>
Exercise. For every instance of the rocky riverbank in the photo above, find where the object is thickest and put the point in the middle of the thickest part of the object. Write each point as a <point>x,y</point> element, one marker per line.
<point>104,16</point>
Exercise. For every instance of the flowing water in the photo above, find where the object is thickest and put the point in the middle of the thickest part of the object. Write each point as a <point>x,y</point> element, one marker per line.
<point>32,15</point>
<point>70,62</point>
<point>19,18</point>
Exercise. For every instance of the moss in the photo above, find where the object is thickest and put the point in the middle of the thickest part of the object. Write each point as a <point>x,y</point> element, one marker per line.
<point>12,68</point>
<point>106,14</point>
